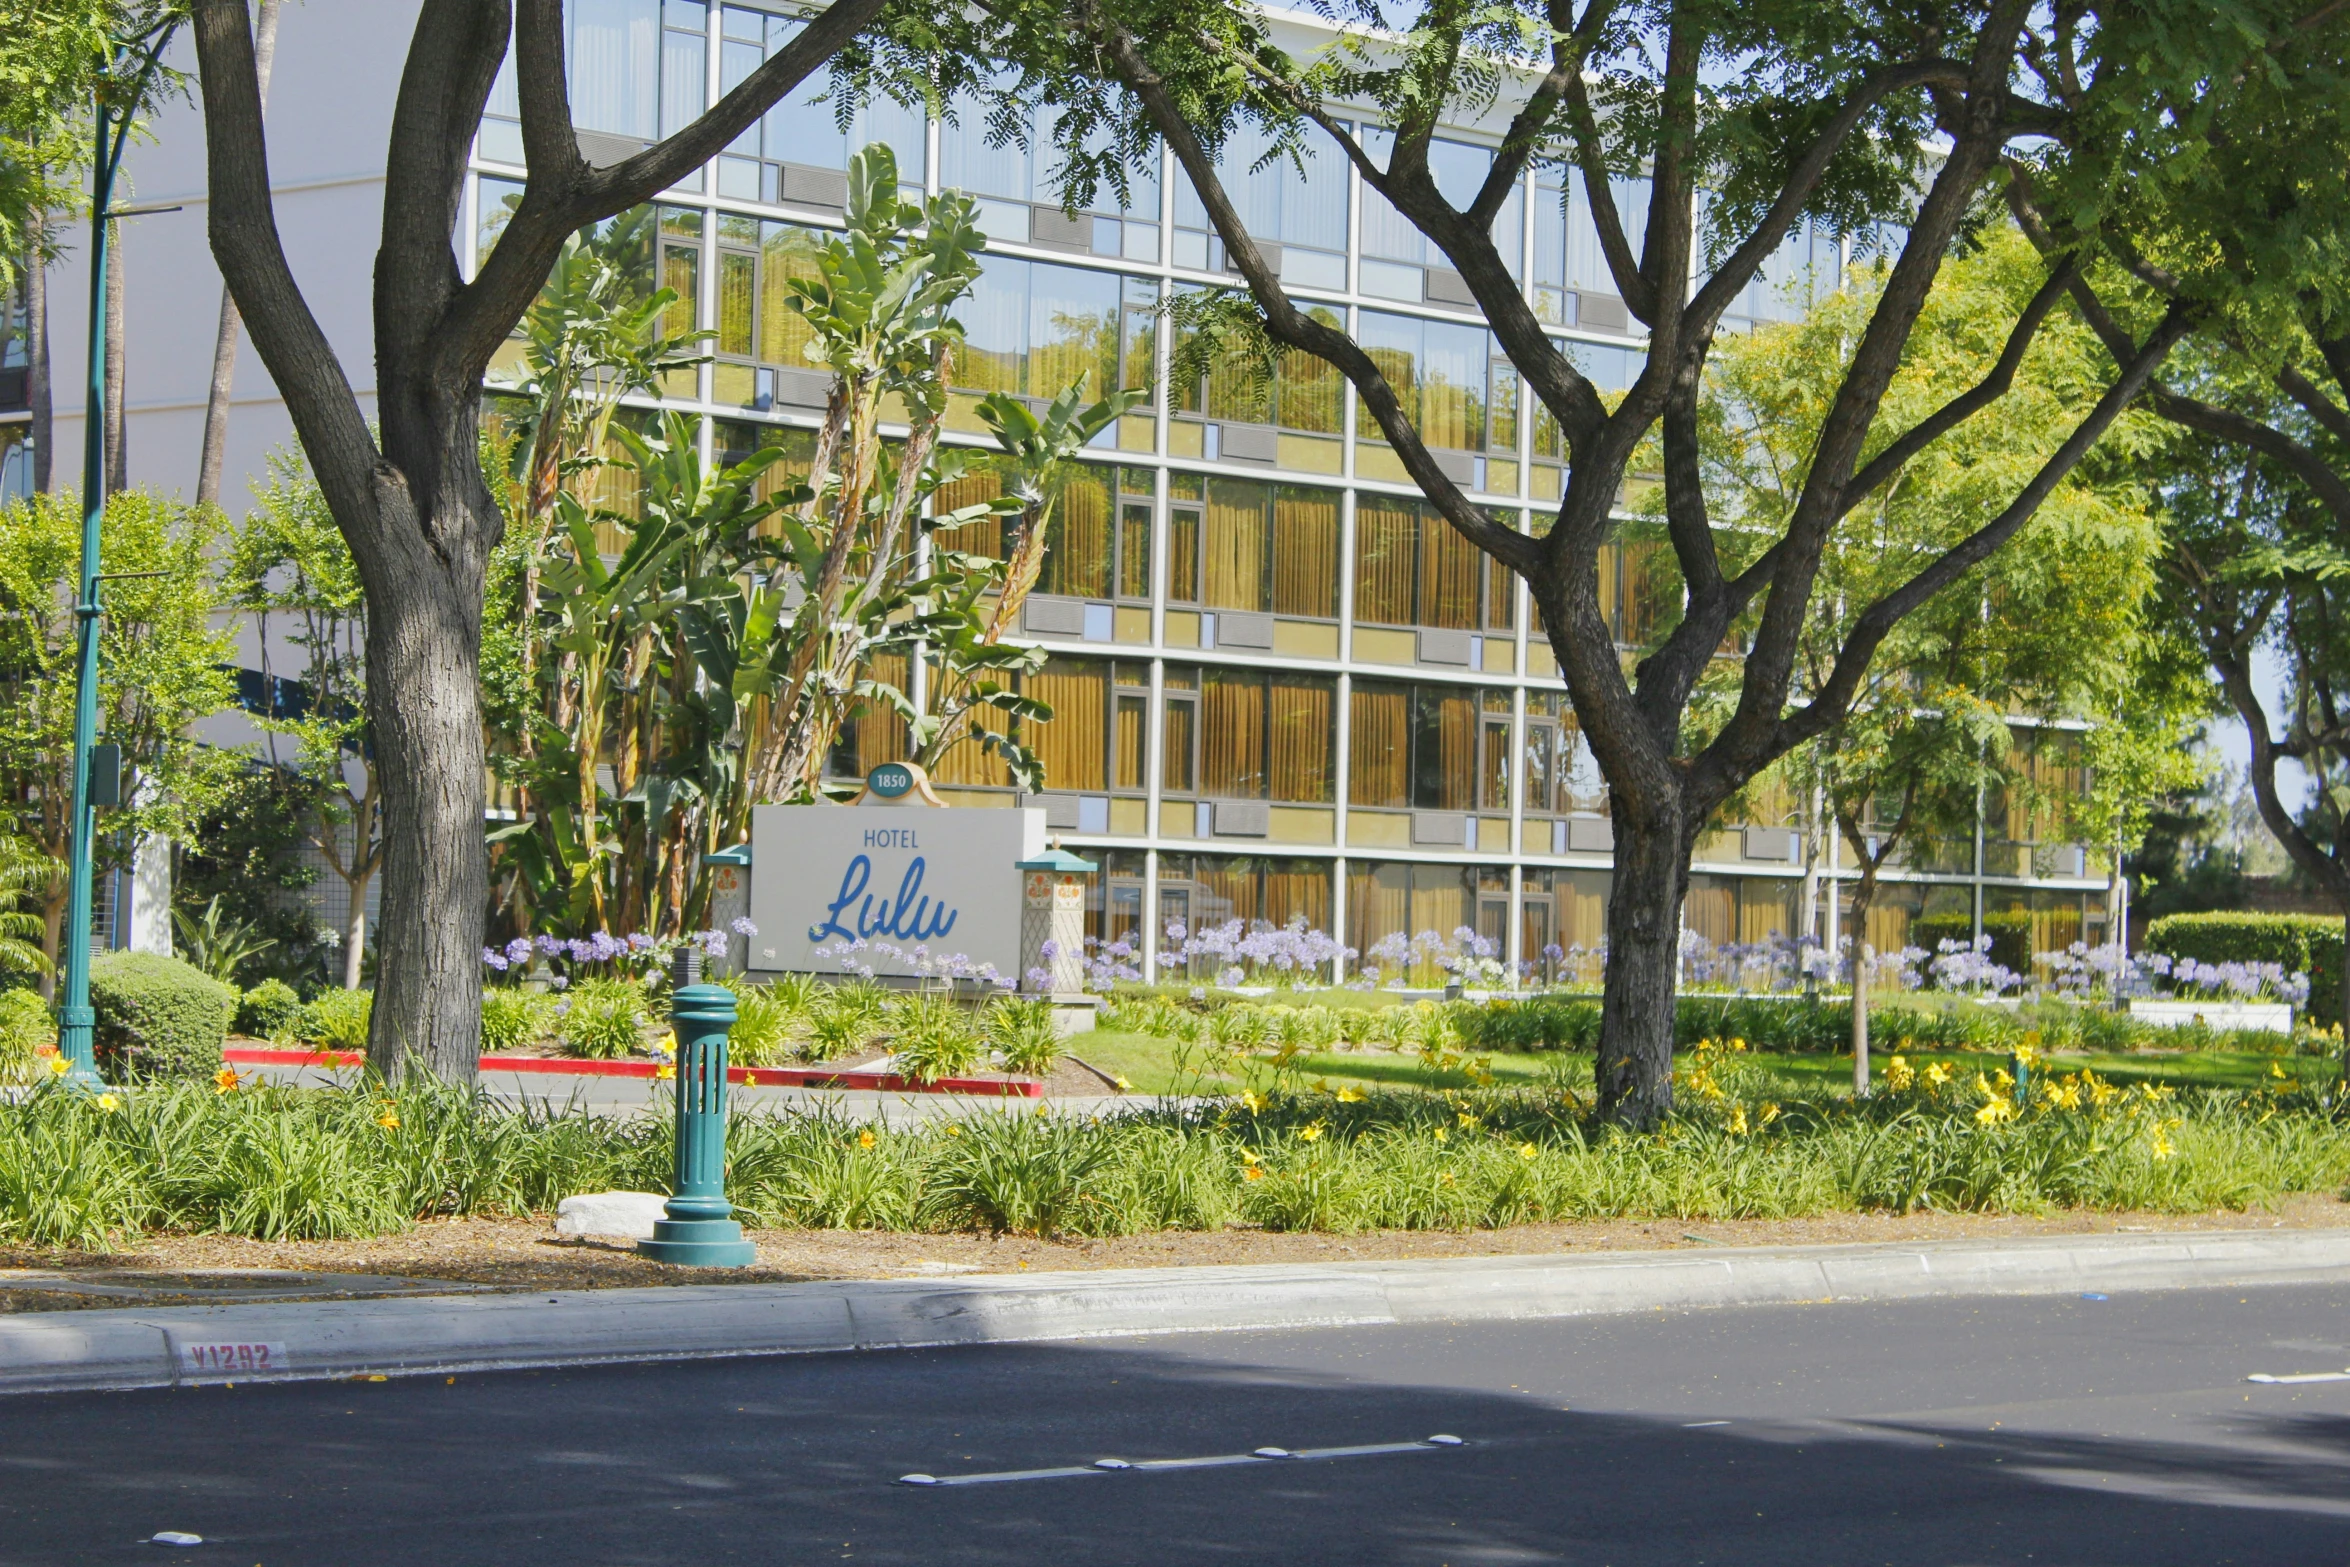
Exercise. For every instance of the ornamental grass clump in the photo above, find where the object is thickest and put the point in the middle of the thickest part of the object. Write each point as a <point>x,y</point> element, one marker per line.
<point>514,1020</point>
<point>28,1030</point>
<point>1023,1034</point>
<point>932,1038</point>
<point>603,1019</point>
<point>765,1017</point>
<point>336,1019</point>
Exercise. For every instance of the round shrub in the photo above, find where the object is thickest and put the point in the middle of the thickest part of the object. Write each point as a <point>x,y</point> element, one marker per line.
<point>514,1019</point>
<point>158,1018</point>
<point>337,1019</point>
<point>26,1024</point>
<point>1023,1031</point>
<point>269,1010</point>
<point>763,1022</point>
<point>603,1019</point>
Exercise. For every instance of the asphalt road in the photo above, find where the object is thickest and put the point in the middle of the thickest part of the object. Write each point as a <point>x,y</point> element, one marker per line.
<point>2067,1431</point>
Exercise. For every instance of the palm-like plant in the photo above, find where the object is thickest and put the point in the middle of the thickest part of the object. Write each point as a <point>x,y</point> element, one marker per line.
<point>26,875</point>
<point>219,947</point>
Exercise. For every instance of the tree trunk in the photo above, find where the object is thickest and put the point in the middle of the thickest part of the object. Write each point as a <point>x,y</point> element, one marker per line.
<point>424,708</point>
<point>224,341</point>
<point>1635,1067</point>
<point>355,928</point>
<point>1864,958</point>
<point>36,360</point>
<point>117,478</point>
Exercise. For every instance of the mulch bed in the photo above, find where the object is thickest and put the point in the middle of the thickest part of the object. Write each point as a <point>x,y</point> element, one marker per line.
<point>525,1254</point>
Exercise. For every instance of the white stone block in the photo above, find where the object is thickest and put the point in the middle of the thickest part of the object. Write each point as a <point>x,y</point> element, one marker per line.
<point>628,1215</point>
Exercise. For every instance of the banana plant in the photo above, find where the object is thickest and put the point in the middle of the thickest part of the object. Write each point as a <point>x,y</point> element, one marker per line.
<point>975,671</point>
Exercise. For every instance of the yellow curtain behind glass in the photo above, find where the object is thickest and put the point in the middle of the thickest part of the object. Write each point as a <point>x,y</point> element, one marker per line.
<point>1378,903</point>
<point>1305,553</point>
<point>1304,709</point>
<point>877,732</point>
<point>984,537</point>
<point>1236,545</point>
<point>1384,533</point>
<point>1298,887</point>
<point>1070,745</point>
<point>1228,889</point>
<point>1449,568</point>
<point>1312,392</point>
<point>1440,900</point>
<point>785,253</point>
<point>1232,735</point>
<point>1379,745</point>
<point>1448,777</point>
<point>1077,552</point>
<point>967,763</point>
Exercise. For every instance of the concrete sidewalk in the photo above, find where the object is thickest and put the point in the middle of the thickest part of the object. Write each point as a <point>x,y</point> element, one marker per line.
<point>177,1346</point>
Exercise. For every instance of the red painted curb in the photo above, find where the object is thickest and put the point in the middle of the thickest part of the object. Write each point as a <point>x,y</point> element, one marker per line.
<point>750,1076</point>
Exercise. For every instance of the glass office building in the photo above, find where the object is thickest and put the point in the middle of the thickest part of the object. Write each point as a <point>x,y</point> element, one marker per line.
<point>1282,686</point>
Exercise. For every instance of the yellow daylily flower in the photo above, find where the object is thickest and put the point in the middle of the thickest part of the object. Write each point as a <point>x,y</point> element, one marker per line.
<point>865,1138</point>
<point>1440,1134</point>
<point>1350,1096</point>
<point>389,1119</point>
<point>1307,1134</point>
<point>667,1072</point>
<point>1527,1150</point>
<point>109,1102</point>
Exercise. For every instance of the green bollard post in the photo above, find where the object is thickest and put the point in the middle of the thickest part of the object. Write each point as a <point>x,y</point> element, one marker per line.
<point>700,1231</point>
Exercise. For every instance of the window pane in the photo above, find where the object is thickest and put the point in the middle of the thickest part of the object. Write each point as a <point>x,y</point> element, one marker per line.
<point>1393,344</point>
<point>967,763</point>
<point>1236,545</point>
<point>1073,327</point>
<point>1134,551</point>
<point>1077,540</point>
<point>984,537</point>
<point>786,253</point>
<point>681,270</point>
<point>1494,775</point>
<point>995,322</point>
<point>1071,745</point>
<point>684,84</point>
<point>968,162</point>
<point>1444,748</point>
<point>1232,759</point>
<point>1178,724</point>
<point>736,288</point>
<point>1452,386</point>
<point>1449,569</point>
<point>736,62</point>
<point>1386,531</point>
<point>1310,391</point>
<point>1183,556</point>
<point>1304,730</point>
<point>1305,552</point>
<point>1140,372</point>
<point>1379,745</point>
<point>615,45</point>
<point>1128,743</point>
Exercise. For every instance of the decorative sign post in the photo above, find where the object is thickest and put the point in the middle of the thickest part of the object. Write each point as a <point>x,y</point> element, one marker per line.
<point>700,1230</point>
<point>1052,924</point>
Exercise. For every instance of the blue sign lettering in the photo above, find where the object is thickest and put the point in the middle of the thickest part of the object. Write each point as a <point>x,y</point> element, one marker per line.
<point>910,917</point>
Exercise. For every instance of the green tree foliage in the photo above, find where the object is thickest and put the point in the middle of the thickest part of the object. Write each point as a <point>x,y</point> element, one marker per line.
<point>2056,631</point>
<point>163,666</point>
<point>289,563</point>
<point>1745,120</point>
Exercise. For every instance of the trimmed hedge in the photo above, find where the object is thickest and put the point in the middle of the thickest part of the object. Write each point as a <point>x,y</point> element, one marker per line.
<point>2304,943</point>
<point>158,1019</point>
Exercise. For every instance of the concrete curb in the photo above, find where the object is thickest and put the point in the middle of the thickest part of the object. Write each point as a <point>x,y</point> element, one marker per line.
<point>68,1351</point>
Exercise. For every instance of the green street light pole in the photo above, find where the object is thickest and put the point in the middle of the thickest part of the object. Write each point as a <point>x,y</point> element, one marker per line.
<point>76,1020</point>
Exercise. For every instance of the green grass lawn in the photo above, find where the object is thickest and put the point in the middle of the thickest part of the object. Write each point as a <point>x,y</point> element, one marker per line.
<point>1149,1064</point>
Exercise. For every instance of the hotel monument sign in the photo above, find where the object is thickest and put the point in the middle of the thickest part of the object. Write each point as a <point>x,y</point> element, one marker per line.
<point>824,877</point>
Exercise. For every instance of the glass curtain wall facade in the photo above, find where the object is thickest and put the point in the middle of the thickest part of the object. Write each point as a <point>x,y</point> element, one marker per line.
<point>1282,687</point>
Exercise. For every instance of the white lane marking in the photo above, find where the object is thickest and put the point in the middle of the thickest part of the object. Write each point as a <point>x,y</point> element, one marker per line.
<point>2305,1376</point>
<point>1263,1455</point>
<point>1700,1425</point>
